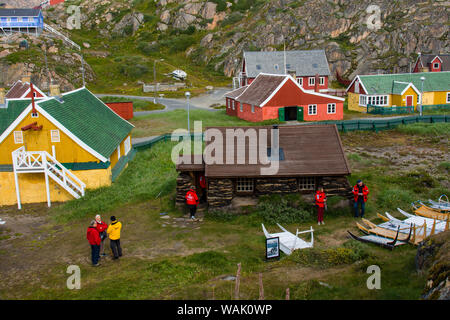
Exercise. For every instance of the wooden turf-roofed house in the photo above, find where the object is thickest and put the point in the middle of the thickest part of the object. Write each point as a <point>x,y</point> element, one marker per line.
<point>273,96</point>
<point>432,63</point>
<point>310,155</point>
<point>58,148</point>
<point>403,89</point>
<point>308,67</point>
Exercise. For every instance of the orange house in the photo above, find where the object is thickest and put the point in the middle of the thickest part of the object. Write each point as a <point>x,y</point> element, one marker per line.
<point>272,96</point>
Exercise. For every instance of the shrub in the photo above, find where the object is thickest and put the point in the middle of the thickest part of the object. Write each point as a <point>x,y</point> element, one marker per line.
<point>209,259</point>
<point>232,19</point>
<point>392,198</point>
<point>133,67</point>
<point>283,209</point>
<point>148,48</point>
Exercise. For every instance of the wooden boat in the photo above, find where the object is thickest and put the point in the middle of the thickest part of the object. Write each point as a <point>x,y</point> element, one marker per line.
<point>381,241</point>
<point>441,225</point>
<point>432,226</point>
<point>288,241</point>
<point>442,204</point>
<point>389,231</point>
<point>426,212</point>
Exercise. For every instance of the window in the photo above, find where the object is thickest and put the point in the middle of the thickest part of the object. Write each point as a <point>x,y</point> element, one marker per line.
<point>307,183</point>
<point>312,109</point>
<point>244,185</point>
<point>311,81</point>
<point>300,81</point>
<point>356,86</point>
<point>232,103</point>
<point>331,108</point>
<point>373,100</point>
<point>241,107</point>
<point>448,97</point>
<point>436,66</point>
<point>275,66</point>
<point>322,81</point>
<point>54,135</point>
<point>258,67</point>
<point>362,100</point>
<point>18,137</point>
<point>118,152</point>
<point>127,145</point>
<point>253,108</point>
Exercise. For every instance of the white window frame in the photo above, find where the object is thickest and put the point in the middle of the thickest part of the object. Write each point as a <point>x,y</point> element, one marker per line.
<point>306,184</point>
<point>300,81</point>
<point>253,108</point>
<point>436,64</point>
<point>118,152</point>
<point>321,81</point>
<point>333,108</point>
<point>376,100</point>
<point>245,185</point>
<point>127,145</point>
<point>232,103</point>
<point>448,97</point>
<point>18,137</point>
<point>55,136</point>
<point>241,107</point>
<point>311,81</point>
<point>309,109</point>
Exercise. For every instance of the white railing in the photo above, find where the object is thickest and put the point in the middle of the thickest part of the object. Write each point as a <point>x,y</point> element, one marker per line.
<point>63,37</point>
<point>41,161</point>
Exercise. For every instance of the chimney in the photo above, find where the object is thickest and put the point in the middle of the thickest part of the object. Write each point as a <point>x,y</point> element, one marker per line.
<point>54,90</point>
<point>2,95</point>
<point>316,83</point>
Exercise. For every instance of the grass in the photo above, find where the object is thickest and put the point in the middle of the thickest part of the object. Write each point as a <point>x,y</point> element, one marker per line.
<point>138,104</point>
<point>152,267</point>
<point>157,124</point>
<point>426,129</point>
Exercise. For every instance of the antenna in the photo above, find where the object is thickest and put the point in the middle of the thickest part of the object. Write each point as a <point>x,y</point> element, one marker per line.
<point>284,53</point>
<point>82,69</point>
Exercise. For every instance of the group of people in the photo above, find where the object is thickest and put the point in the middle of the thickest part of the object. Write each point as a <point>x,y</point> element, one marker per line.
<point>360,193</point>
<point>96,234</point>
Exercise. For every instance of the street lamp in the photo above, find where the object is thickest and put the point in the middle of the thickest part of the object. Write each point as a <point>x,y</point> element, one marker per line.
<point>154,76</point>
<point>188,94</point>
<point>421,96</point>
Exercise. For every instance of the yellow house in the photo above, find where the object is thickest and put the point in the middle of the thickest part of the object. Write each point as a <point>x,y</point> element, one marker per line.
<point>53,149</point>
<point>389,90</point>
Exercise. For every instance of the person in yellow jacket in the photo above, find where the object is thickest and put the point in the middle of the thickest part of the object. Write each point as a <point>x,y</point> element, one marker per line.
<point>113,232</point>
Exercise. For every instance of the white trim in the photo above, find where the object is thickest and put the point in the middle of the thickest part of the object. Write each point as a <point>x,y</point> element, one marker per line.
<point>438,58</point>
<point>118,152</point>
<point>15,123</point>
<point>57,137</point>
<point>316,93</point>
<point>20,138</point>
<point>70,134</point>
<point>309,81</point>
<point>333,105</point>
<point>274,92</point>
<point>406,100</point>
<point>312,114</point>
<point>36,89</point>
<point>127,145</point>
<point>412,86</point>
<point>320,80</point>
<point>448,97</point>
<point>360,82</point>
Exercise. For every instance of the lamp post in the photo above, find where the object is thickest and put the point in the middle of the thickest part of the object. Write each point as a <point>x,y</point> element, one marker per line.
<point>188,94</point>
<point>421,96</point>
<point>154,76</point>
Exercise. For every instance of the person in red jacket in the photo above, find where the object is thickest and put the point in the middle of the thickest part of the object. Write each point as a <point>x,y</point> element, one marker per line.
<point>94,240</point>
<point>321,200</point>
<point>360,192</point>
<point>192,201</point>
<point>202,182</point>
<point>101,227</point>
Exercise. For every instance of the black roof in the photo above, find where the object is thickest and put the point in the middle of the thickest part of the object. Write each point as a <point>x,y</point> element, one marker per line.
<point>19,12</point>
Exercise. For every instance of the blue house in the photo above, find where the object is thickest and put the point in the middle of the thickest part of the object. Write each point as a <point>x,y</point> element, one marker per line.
<point>30,21</point>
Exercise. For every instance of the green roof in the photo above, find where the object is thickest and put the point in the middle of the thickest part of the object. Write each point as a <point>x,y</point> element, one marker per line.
<point>389,83</point>
<point>89,119</point>
<point>9,114</point>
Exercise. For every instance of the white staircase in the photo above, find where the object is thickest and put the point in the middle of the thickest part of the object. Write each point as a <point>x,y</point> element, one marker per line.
<point>60,35</point>
<point>41,161</point>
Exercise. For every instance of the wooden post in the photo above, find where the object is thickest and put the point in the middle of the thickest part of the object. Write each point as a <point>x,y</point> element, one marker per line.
<point>16,180</point>
<point>238,280</point>
<point>433,229</point>
<point>446,225</point>
<point>261,288</point>
<point>288,296</point>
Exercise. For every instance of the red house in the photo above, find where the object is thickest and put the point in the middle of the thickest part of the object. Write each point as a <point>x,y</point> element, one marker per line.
<point>273,96</point>
<point>308,67</point>
<point>432,63</point>
<point>123,109</point>
<point>22,90</point>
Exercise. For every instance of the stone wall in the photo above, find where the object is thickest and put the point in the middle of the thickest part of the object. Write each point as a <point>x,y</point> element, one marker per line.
<point>336,186</point>
<point>220,192</point>
<point>184,182</point>
<point>275,185</point>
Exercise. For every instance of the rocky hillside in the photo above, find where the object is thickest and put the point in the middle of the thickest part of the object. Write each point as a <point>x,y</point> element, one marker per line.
<point>433,258</point>
<point>122,39</point>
